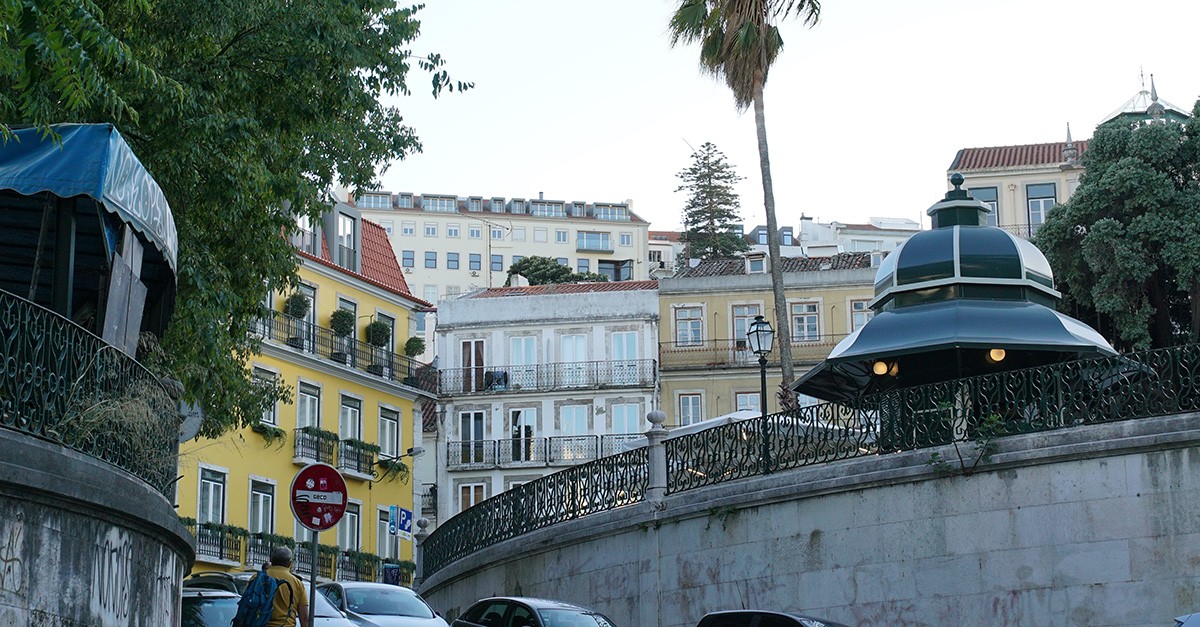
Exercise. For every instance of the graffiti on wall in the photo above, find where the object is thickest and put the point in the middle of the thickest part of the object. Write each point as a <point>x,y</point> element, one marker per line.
<point>112,578</point>
<point>12,547</point>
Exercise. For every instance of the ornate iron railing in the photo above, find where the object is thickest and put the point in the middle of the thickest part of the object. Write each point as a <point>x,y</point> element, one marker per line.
<point>356,568</point>
<point>703,353</point>
<point>312,447</point>
<point>559,450</point>
<point>326,559</point>
<point>347,351</point>
<point>218,543</point>
<point>603,484</point>
<point>1024,231</point>
<point>552,376</point>
<point>429,499</point>
<point>355,458</point>
<point>61,383</point>
<point>1137,385</point>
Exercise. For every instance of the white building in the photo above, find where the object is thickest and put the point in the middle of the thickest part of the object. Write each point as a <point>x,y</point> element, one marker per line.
<point>534,379</point>
<point>876,235</point>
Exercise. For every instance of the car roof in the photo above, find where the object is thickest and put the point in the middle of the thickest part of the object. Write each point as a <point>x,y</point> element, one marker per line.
<point>774,613</point>
<point>364,584</point>
<point>540,604</point>
<point>209,593</point>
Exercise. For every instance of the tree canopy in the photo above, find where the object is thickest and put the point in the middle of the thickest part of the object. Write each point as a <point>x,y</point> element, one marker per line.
<point>545,270</point>
<point>710,215</point>
<point>1126,248</point>
<point>246,112</point>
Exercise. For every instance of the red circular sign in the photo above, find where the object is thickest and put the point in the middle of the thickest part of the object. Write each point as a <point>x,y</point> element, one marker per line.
<point>318,496</point>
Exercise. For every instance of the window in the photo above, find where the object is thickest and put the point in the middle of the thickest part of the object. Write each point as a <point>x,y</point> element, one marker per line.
<point>574,420</point>
<point>431,229</point>
<point>419,322</point>
<point>404,201</point>
<point>212,496</point>
<point>452,230</point>
<point>627,239</point>
<point>472,447</point>
<point>756,265</point>
<point>385,542</point>
<point>521,422</point>
<point>388,226</point>
<point>474,231</point>
<point>1041,201</point>
<point>439,203</point>
<point>389,432</point>
<point>496,205</point>
<point>574,443</point>
<point>583,265</point>
<point>266,378</point>
<point>408,228</point>
<point>517,258</point>
<point>407,258</point>
<point>517,205</point>
<point>547,209</point>
<point>374,201</point>
<point>345,238</point>
<point>350,419</point>
<point>563,261</point>
<point>469,494</point>
<point>689,409</point>
<point>989,197</point>
<point>431,293</point>
<point>859,314</point>
<point>497,263</point>
<point>474,204</point>
<point>591,240</point>
<point>539,234</point>
<point>611,212</point>
<point>615,270</point>
<point>748,401</point>
<point>560,236</point>
<point>518,233</point>
<point>625,418</point>
<point>348,529</point>
<point>656,259</point>
<point>308,405</point>
<point>742,316</point>
<point>787,237</point>
<point>761,235</point>
<point>624,365</point>
<point>497,232</point>
<point>262,507</point>
<point>452,261</point>
<point>689,326</point>
<point>475,262</point>
<point>806,322</point>
<point>430,259</point>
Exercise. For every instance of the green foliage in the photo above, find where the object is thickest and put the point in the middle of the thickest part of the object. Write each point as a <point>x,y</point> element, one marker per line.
<point>362,560</point>
<point>341,321</point>
<point>319,433</point>
<point>274,539</point>
<point>405,565</point>
<point>245,113</point>
<point>272,434</point>
<point>983,441</point>
<point>362,445</point>
<point>545,270</point>
<point>710,215</point>
<point>378,333</point>
<point>232,530</point>
<point>1126,248</point>
<point>414,346</point>
<point>296,305</point>
<point>392,469</point>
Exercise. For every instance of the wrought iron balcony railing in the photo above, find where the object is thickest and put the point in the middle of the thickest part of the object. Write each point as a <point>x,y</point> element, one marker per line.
<point>544,377</point>
<point>326,560</point>
<point>347,351</point>
<point>559,450</point>
<point>312,447</point>
<point>357,566</point>
<point>353,457</point>
<point>429,499</point>
<point>707,353</point>
<point>260,545</point>
<point>61,383</point>
<point>219,543</point>
<point>1024,231</point>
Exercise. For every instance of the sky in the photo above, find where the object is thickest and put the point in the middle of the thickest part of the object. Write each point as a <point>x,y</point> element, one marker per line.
<point>864,112</point>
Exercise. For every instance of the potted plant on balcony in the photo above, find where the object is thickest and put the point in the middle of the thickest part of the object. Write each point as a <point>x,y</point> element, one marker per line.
<point>379,335</point>
<point>341,321</point>
<point>413,347</point>
<point>296,308</point>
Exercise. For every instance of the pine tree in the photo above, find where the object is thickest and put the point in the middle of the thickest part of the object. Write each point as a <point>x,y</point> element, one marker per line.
<point>711,212</point>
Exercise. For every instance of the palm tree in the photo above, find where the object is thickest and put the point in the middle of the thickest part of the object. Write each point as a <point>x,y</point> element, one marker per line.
<point>739,42</point>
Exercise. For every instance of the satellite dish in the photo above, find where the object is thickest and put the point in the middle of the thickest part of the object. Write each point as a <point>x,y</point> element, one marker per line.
<point>192,416</point>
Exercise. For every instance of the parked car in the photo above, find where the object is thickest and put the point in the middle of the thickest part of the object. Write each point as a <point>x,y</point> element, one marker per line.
<point>220,580</point>
<point>762,618</point>
<point>208,607</point>
<point>381,604</point>
<point>527,612</point>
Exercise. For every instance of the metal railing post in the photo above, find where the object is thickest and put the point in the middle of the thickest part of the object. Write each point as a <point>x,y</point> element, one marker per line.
<point>656,473</point>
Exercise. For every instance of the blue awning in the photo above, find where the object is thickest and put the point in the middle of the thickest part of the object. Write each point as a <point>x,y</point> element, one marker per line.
<point>91,160</point>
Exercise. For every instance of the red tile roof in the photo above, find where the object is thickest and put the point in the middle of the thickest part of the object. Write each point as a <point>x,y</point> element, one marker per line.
<point>670,236</point>
<point>1012,156</point>
<point>379,265</point>
<point>567,288</point>
<point>737,267</point>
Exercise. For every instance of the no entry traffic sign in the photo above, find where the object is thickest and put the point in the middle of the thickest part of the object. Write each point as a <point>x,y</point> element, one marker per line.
<point>318,496</point>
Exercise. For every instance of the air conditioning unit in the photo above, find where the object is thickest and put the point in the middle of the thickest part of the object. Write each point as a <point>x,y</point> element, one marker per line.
<point>408,271</point>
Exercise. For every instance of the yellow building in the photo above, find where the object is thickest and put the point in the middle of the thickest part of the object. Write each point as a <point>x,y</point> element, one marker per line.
<point>706,366</point>
<point>355,405</point>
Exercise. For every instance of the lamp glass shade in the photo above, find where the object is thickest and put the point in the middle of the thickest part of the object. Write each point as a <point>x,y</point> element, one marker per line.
<point>760,336</point>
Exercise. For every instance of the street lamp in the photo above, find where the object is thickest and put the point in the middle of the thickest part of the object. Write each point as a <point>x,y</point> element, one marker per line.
<point>760,335</point>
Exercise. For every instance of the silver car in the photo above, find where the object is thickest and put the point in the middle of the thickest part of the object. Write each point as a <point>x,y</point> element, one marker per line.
<point>380,604</point>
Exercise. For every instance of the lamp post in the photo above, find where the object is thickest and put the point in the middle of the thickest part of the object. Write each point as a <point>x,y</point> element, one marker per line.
<point>760,335</point>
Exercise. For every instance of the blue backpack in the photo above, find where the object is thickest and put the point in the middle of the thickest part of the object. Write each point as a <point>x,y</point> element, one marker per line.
<point>258,601</point>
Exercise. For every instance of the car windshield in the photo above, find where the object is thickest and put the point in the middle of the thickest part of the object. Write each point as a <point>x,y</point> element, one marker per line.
<point>573,618</point>
<point>386,602</point>
<point>208,612</point>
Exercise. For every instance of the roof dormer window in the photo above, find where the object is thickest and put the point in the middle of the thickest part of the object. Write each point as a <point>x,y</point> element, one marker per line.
<point>756,263</point>
<point>347,242</point>
<point>379,200</point>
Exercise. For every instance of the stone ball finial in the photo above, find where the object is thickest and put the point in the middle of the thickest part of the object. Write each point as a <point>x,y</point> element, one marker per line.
<point>656,418</point>
<point>956,180</point>
<point>422,523</point>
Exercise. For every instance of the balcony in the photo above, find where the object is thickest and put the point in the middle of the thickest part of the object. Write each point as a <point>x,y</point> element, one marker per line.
<point>358,566</point>
<point>1024,231</point>
<point>219,542</point>
<point>357,458</point>
<point>345,351</point>
<point>314,445</point>
<point>737,353</point>
<point>326,559</point>
<point>429,500</point>
<point>259,547</point>
<point>559,451</point>
<point>547,377</point>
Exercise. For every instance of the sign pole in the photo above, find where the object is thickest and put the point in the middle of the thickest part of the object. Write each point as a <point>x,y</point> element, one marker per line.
<point>312,583</point>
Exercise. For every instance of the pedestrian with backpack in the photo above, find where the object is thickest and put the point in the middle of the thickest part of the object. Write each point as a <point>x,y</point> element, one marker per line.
<point>275,597</point>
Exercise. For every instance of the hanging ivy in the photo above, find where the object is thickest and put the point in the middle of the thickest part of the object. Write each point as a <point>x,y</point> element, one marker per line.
<point>272,434</point>
<point>392,469</point>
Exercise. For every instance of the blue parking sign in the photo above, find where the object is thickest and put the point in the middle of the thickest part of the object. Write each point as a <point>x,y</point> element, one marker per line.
<point>393,518</point>
<point>404,524</point>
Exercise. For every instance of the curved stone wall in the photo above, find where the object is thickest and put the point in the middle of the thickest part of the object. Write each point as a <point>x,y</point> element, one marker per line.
<point>83,542</point>
<point>1097,525</point>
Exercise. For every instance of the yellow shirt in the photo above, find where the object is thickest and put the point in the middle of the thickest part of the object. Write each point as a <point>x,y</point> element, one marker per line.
<point>289,597</point>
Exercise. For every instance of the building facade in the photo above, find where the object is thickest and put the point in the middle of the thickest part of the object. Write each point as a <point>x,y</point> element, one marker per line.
<point>355,405</point>
<point>538,378</point>
<point>706,365</point>
<point>819,239</point>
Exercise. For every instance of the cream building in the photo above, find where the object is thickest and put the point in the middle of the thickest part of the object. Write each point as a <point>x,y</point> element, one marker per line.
<point>706,366</point>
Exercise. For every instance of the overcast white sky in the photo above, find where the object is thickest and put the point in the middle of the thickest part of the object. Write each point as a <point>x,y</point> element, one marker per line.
<point>588,101</point>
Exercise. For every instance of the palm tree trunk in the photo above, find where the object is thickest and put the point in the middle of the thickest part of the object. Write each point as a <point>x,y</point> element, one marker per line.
<point>782,324</point>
